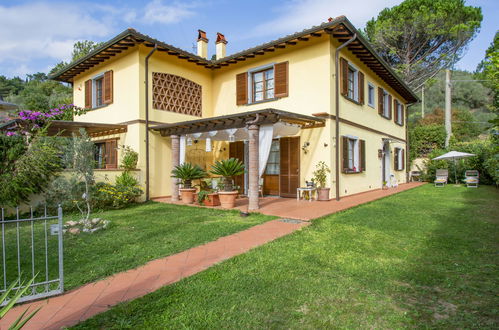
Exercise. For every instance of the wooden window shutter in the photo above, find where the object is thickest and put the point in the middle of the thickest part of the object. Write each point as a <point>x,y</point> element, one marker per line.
<point>242,88</point>
<point>344,76</point>
<point>380,100</point>
<point>389,106</point>
<point>361,88</point>
<point>396,112</point>
<point>396,159</point>
<point>88,94</point>
<point>108,87</point>
<point>281,79</point>
<point>344,141</point>
<point>111,154</point>
<point>362,156</point>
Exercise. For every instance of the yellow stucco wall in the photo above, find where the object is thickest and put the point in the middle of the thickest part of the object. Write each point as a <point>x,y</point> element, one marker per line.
<point>311,90</point>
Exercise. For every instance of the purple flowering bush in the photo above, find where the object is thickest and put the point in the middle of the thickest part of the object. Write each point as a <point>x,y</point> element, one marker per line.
<point>33,121</point>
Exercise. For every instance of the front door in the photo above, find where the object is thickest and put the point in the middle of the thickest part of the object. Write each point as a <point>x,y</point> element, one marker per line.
<point>385,164</point>
<point>289,166</point>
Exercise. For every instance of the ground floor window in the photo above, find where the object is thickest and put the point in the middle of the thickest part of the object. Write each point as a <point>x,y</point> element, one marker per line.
<point>354,160</point>
<point>399,159</point>
<point>106,154</point>
<point>273,163</point>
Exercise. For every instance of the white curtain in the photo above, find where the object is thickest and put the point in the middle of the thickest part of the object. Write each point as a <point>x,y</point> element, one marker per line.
<point>182,149</point>
<point>264,144</point>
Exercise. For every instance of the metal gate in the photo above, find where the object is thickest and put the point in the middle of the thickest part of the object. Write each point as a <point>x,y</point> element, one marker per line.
<point>33,248</point>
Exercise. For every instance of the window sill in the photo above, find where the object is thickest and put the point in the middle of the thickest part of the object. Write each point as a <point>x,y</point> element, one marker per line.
<point>352,172</point>
<point>113,169</point>
<point>352,100</point>
<point>401,125</point>
<point>97,108</point>
<point>386,117</point>
<point>263,101</point>
<point>372,106</point>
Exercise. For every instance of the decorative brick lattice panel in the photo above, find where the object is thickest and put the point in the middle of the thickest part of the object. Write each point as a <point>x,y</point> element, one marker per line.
<point>176,94</point>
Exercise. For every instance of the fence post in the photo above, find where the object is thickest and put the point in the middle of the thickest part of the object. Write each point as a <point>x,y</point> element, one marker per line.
<point>61,253</point>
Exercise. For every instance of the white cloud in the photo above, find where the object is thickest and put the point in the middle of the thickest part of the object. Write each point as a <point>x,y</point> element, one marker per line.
<point>158,12</point>
<point>296,15</point>
<point>41,30</point>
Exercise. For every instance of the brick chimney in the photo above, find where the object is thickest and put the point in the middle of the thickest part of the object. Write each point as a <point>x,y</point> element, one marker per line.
<point>202,44</point>
<point>221,46</point>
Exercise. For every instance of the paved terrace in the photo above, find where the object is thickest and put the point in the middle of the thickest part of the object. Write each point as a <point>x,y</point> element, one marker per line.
<point>305,210</point>
<point>82,303</point>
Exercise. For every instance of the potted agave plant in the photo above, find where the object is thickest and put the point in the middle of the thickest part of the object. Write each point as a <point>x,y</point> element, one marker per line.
<point>228,169</point>
<point>320,177</point>
<point>187,172</point>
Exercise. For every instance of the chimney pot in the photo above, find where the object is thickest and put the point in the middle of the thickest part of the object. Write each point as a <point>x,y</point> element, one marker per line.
<point>221,46</point>
<point>202,44</point>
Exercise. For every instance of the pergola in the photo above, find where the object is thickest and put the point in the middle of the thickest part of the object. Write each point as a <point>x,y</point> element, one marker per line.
<point>67,128</point>
<point>248,123</point>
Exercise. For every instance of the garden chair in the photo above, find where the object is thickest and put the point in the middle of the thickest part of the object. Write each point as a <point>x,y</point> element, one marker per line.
<point>471,178</point>
<point>415,176</point>
<point>442,177</point>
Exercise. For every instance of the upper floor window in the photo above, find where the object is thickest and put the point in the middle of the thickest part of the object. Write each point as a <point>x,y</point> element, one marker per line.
<point>384,103</point>
<point>399,113</point>
<point>353,90</point>
<point>352,82</point>
<point>370,95</point>
<point>99,90</point>
<point>263,85</point>
<point>98,94</point>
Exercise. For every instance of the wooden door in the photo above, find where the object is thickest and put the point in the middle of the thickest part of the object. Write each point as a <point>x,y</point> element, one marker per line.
<point>290,166</point>
<point>236,150</point>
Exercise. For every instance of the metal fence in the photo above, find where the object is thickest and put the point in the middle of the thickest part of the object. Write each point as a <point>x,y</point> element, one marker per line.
<point>32,247</point>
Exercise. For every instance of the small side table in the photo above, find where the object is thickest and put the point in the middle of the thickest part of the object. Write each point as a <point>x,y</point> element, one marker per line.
<point>309,190</point>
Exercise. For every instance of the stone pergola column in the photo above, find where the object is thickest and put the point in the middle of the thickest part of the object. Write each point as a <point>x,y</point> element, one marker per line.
<point>175,162</point>
<point>253,175</point>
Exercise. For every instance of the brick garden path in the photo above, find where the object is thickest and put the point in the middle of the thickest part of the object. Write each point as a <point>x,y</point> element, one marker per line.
<point>84,302</point>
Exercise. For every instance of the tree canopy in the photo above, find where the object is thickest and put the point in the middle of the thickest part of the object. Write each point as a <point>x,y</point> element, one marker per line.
<point>420,37</point>
<point>80,49</point>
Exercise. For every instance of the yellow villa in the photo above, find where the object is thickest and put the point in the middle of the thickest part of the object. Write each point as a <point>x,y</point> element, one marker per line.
<point>322,94</point>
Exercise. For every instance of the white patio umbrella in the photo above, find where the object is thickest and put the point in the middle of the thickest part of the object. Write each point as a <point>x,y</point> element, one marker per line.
<point>454,155</point>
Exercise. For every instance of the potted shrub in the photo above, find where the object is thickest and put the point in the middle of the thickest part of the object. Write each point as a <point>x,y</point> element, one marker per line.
<point>208,198</point>
<point>228,169</point>
<point>385,185</point>
<point>320,177</point>
<point>187,172</point>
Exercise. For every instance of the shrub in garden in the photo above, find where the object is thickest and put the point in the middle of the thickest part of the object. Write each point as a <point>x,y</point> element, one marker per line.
<point>129,158</point>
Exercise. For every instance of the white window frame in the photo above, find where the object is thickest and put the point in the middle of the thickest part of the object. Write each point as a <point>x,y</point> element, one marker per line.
<point>355,82</point>
<point>250,81</point>
<point>94,90</point>
<point>386,103</point>
<point>370,87</point>
<point>356,153</point>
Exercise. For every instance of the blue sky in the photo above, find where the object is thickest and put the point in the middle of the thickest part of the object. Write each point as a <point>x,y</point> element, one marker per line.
<point>35,35</point>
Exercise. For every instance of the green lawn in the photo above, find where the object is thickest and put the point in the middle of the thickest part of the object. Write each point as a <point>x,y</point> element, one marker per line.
<point>425,258</point>
<point>136,235</point>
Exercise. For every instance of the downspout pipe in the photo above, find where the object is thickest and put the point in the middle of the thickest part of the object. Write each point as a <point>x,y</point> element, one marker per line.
<point>147,116</point>
<point>337,112</point>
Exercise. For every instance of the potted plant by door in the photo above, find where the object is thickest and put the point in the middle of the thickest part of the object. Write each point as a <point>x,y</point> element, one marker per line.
<point>320,177</point>
<point>187,172</point>
<point>227,169</point>
<point>208,198</point>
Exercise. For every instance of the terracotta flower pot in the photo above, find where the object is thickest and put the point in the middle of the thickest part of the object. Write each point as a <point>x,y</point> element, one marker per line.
<point>187,195</point>
<point>211,200</point>
<point>323,194</point>
<point>228,198</point>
